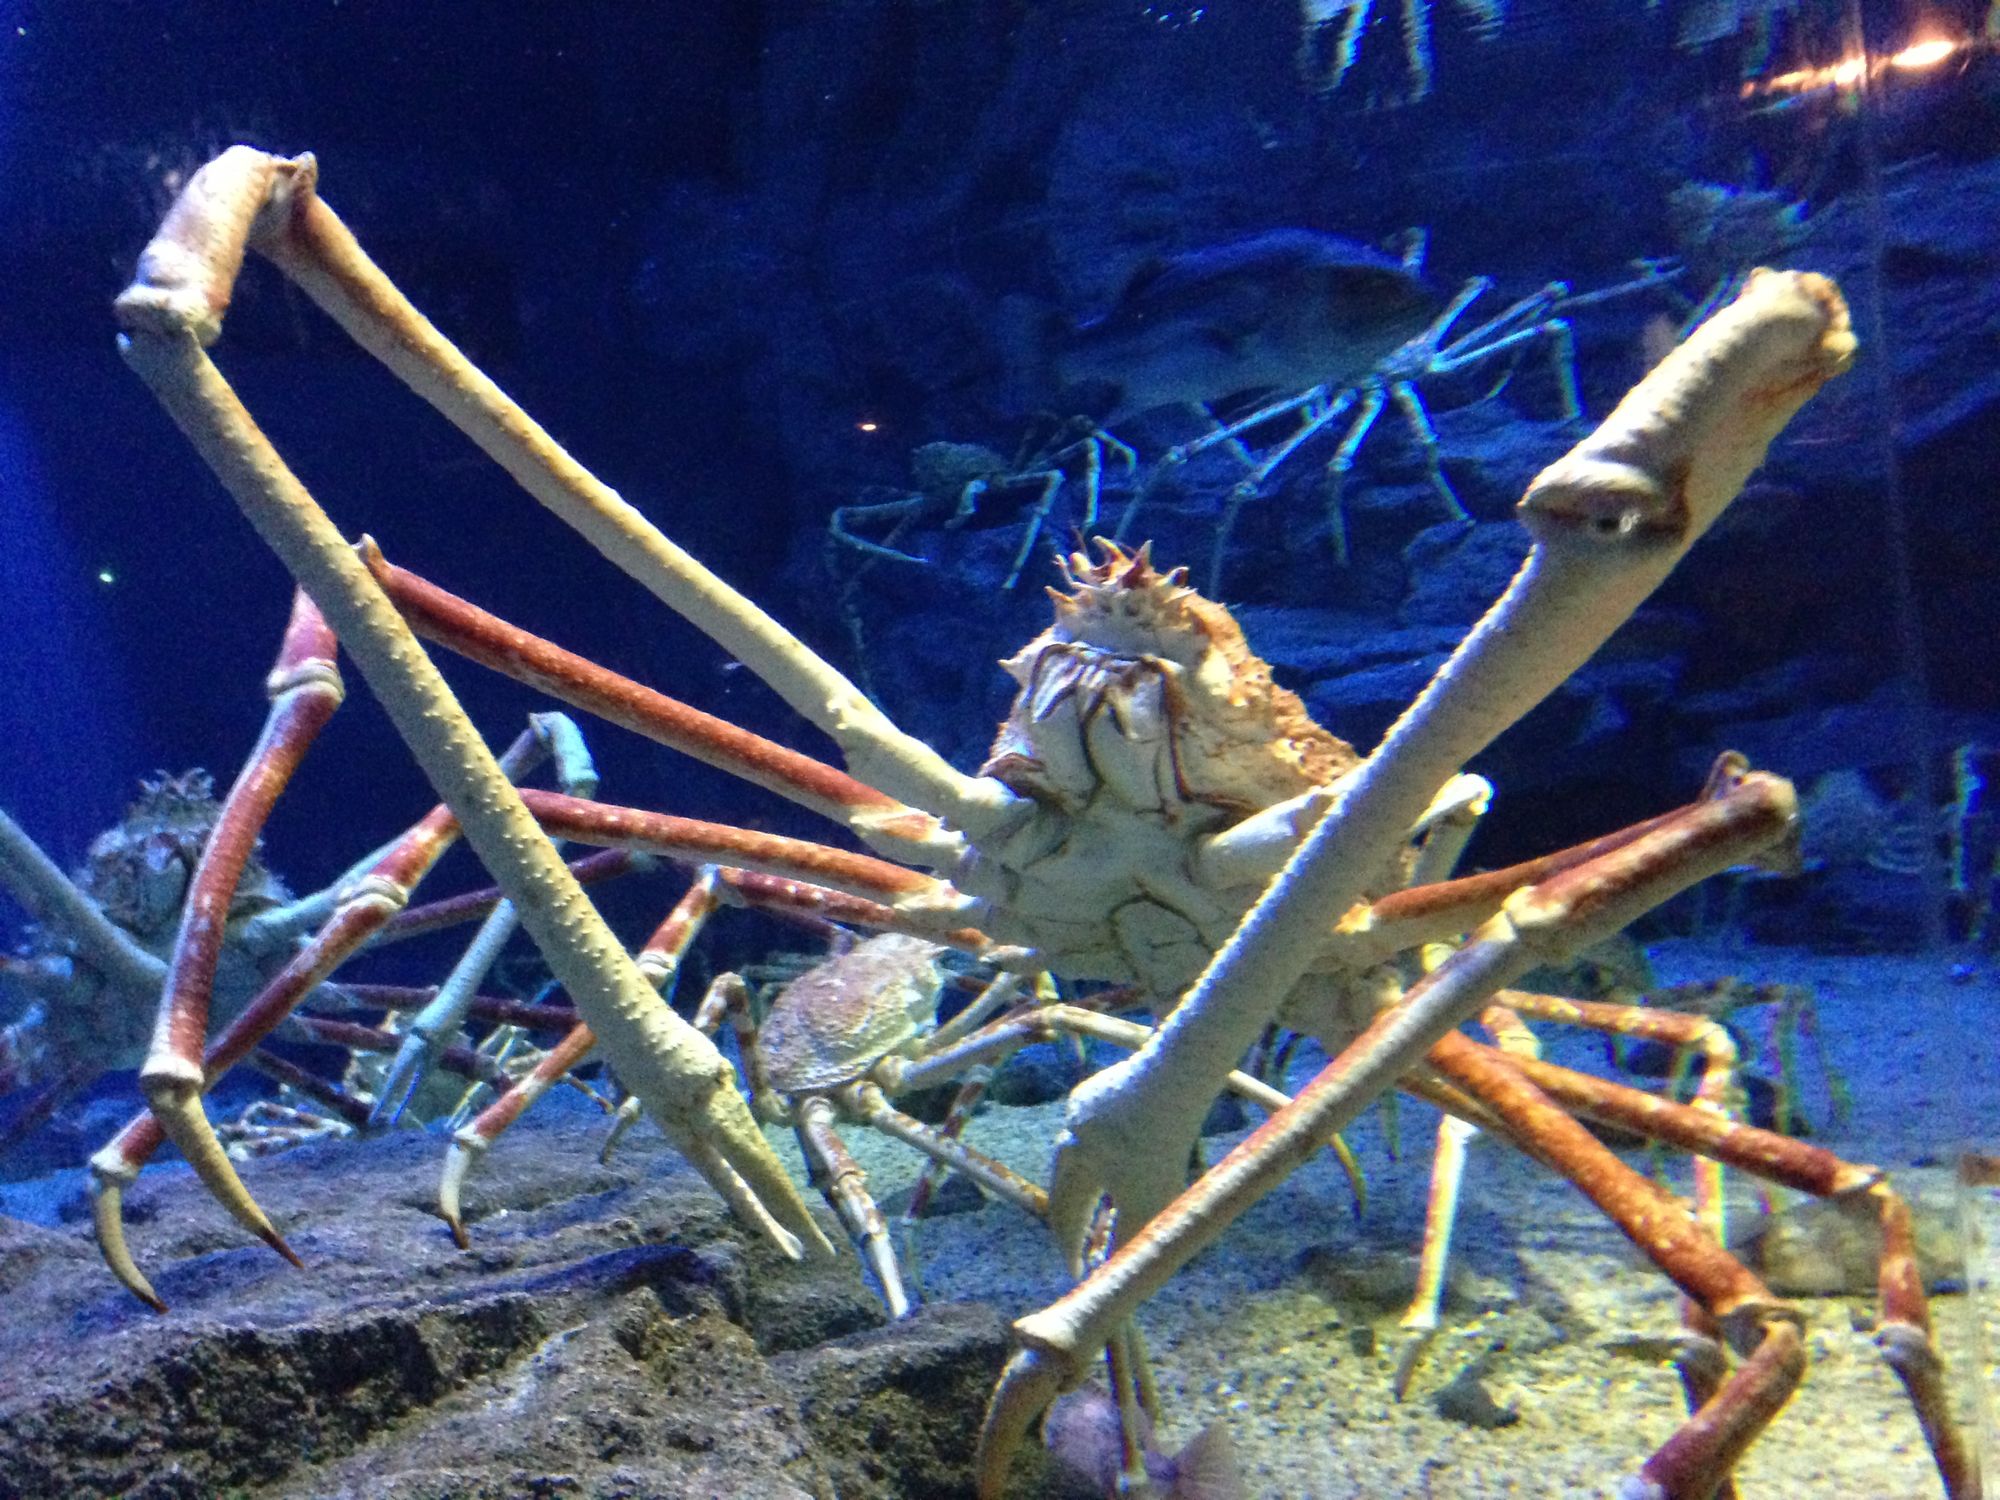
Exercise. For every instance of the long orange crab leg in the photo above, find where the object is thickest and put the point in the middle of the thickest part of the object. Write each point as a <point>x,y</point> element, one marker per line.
<point>1608,522</point>
<point>305,689</point>
<point>1904,1335</point>
<point>1418,914</point>
<point>464,628</point>
<point>185,278</point>
<point>367,902</point>
<point>1506,1021</point>
<point>1404,919</point>
<point>1706,1448</point>
<point>1675,1029</point>
<point>1543,922</point>
<point>799,899</point>
<point>607,825</point>
<point>1536,1099</point>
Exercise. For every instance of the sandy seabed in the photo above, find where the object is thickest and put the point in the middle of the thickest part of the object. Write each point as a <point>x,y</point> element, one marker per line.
<point>1287,1333</point>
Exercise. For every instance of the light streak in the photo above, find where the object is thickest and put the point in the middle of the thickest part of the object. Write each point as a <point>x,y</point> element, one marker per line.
<point>1851,71</point>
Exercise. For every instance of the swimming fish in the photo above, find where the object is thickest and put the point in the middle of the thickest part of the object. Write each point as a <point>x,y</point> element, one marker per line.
<point>1284,310</point>
<point>1082,1431</point>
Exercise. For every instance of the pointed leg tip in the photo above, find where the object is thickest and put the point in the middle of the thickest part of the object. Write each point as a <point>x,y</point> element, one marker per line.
<point>276,1241</point>
<point>1030,1381</point>
<point>459,1237</point>
<point>107,1198</point>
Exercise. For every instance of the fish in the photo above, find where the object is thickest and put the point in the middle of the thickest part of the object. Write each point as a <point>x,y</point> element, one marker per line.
<point>1082,1432</point>
<point>1284,310</point>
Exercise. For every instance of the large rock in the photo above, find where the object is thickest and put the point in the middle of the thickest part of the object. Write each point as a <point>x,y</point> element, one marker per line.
<point>611,1332</point>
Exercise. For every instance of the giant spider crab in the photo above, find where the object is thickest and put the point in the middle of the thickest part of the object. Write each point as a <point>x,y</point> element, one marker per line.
<point>1156,810</point>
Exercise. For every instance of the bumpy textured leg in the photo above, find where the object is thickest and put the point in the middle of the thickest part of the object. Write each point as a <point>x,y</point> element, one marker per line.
<point>1543,922</point>
<point>432,1029</point>
<point>659,961</point>
<point>188,281</point>
<point>1608,521</point>
<point>184,281</point>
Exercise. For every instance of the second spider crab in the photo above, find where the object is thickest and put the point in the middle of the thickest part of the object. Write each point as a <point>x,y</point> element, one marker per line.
<point>91,967</point>
<point>1156,811</point>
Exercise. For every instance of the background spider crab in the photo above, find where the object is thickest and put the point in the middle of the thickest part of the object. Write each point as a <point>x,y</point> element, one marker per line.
<point>1152,787</point>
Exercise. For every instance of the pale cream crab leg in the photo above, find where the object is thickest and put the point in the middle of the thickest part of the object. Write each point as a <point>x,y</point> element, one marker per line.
<point>1542,922</point>
<point>660,961</point>
<point>185,277</point>
<point>52,899</point>
<point>1608,522</point>
<point>271,204</point>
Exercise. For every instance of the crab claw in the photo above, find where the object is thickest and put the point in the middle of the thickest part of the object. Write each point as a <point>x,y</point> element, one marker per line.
<point>1033,1378</point>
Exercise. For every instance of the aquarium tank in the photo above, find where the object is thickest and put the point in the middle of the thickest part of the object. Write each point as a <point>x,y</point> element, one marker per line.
<point>926,748</point>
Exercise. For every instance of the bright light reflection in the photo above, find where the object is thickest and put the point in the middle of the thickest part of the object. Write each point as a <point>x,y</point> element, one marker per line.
<point>1924,54</point>
<point>1850,71</point>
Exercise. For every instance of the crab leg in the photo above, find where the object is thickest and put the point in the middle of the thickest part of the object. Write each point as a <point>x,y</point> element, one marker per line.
<point>984,1051</point>
<point>272,204</point>
<point>52,899</point>
<point>659,961</point>
<point>845,1186</point>
<point>819,907</point>
<point>366,903</point>
<point>304,689</point>
<point>1506,1020</point>
<point>668,1064</point>
<point>353,1113</point>
<point>1537,924</point>
<point>471,906</point>
<point>1419,914</point>
<point>1535,1099</point>
<point>910,894</point>
<point>1673,1028</point>
<point>1904,1336</point>
<point>432,1027</point>
<point>1706,1448</point>
<point>1609,521</point>
<point>471,632</point>
<point>527,1015</point>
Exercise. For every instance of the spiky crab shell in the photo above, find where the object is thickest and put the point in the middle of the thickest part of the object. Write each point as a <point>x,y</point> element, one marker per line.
<point>138,871</point>
<point>1144,687</point>
<point>1144,725</point>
